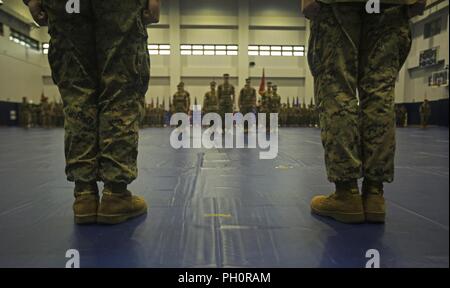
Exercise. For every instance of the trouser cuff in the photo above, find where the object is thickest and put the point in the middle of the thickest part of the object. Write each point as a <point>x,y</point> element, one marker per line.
<point>347,186</point>
<point>116,187</point>
<point>86,187</point>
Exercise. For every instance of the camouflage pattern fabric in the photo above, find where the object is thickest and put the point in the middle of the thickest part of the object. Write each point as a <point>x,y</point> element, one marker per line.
<point>181,102</point>
<point>45,114</point>
<point>25,114</point>
<point>265,101</point>
<point>225,95</point>
<point>247,100</point>
<point>211,102</point>
<point>275,103</point>
<point>351,50</point>
<point>283,115</point>
<point>100,62</point>
<point>401,115</point>
<point>425,113</point>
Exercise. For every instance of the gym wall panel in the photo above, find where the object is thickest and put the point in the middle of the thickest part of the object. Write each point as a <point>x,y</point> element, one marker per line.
<point>207,12</point>
<point>279,63</point>
<point>158,87</point>
<point>277,37</point>
<point>51,91</point>
<point>270,8</point>
<point>160,90</point>
<point>159,65</point>
<point>211,21</point>
<point>21,72</point>
<point>158,35</point>
<point>208,8</point>
<point>198,66</point>
<point>9,113</point>
<point>281,13</point>
<point>413,83</point>
<point>208,72</point>
<point>209,36</point>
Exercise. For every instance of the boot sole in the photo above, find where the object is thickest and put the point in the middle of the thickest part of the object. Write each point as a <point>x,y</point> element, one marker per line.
<point>118,218</point>
<point>85,219</point>
<point>374,217</point>
<point>348,218</point>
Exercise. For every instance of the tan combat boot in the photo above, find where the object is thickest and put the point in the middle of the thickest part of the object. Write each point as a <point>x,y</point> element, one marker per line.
<point>345,205</point>
<point>119,205</point>
<point>86,203</point>
<point>373,202</point>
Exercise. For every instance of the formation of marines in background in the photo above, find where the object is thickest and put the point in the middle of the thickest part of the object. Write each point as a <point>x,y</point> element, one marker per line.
<point>290,114</point>
<point>401,114</point>
<point>44,114</point>
<point>221,99</point>
<point>48,114</point>
<point>425,113</point>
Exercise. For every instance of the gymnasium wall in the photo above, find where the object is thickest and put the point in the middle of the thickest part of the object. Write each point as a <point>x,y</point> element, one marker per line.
<point>25,72</point>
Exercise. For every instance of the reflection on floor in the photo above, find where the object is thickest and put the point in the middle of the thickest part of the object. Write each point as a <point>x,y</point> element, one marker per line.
<point>223,208</point>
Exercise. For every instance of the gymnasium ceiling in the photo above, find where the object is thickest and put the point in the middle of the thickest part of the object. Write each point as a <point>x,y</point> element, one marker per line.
<point>18,9</point>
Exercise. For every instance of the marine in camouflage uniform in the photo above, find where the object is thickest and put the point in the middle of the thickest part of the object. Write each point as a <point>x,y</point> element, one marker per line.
<point>226,94</point>
<point>265,103</point>
<point>25,113</point>
<point>401,115</point>
<point>404,117</point>
<point>161,115</point>
<point>100,62</point>
<point>425,113</point>
<point>155,112</point>
<point>283,115</point>
<point>181,100</point>
<point>35,114</point>
<point>304,118</point>
<point>298,116</point>
<point>351,50</point>
<point>275,101</point>
<point>265,98</point>
<point>59,114</point>
<point>45,112</point>
<point>311,108</point>
<point>53,113</point>
<point>211,101</point>
<point>290,115</point>
<point>146,121</point>
<point>155,116</point>
<point>247,98</point>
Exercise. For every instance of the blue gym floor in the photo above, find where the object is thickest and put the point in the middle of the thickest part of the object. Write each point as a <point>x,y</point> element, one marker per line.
<point>223,208</point>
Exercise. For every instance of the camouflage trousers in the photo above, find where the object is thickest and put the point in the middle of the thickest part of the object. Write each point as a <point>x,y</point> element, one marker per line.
<point>355,58</point>
<point>99,61</point>
<point>225,108</point>
<point>424,119</point>
<point>247,109</point>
